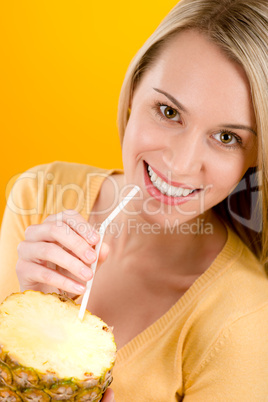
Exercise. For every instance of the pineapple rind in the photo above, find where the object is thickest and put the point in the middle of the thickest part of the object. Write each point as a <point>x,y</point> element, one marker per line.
<point>91,395</point>
<point>30,395</point>
<point>25,377</point>
<point>5,374</point>
<point>21,382</point>
<point>8,395</point>
<point>63,389</point>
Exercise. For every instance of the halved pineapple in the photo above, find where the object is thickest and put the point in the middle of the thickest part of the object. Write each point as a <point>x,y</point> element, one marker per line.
<point>47,354</point>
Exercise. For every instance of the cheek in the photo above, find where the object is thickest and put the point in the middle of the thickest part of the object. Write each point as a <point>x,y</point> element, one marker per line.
<point>140,136</point>
<point>128,146</point>
<point>226,174</point>
<point>129,151</point>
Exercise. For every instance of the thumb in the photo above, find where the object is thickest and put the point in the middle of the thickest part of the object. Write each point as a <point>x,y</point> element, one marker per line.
<point>108,396</point>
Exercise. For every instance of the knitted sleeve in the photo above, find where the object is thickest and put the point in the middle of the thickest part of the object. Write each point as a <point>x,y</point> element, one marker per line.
<point>22,209</point>
<point>39,192</point>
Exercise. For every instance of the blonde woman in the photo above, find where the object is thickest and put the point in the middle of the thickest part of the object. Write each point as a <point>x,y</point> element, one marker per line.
<point>182,272</point>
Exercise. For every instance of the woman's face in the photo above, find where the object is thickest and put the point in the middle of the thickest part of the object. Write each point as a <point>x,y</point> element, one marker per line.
<point>190,136</point>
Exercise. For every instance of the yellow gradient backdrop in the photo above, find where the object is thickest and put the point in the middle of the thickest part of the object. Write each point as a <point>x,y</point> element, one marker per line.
<point>62,66</point>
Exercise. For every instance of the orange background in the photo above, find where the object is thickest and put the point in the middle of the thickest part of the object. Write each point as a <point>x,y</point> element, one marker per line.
<point>62,66</point>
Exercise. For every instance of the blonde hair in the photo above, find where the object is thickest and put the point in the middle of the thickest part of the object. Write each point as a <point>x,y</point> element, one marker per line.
<point>240,29</point>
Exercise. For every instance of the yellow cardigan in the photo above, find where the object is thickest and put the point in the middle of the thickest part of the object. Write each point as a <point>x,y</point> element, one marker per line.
<point>212,345</point>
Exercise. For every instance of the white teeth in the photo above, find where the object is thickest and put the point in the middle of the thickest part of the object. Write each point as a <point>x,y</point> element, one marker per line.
<point>186,192</point>
<point>154,176</point>
<point>169,190</point>
<point>165,188</point>
<point>174,190</point>
<point>179,192</point>
<point>158,182</point>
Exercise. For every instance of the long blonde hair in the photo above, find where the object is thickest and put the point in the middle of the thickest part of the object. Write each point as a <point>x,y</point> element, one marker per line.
<point>240,29</point>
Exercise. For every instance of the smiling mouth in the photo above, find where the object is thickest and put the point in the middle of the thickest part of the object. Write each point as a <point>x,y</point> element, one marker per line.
<point>168,189</point>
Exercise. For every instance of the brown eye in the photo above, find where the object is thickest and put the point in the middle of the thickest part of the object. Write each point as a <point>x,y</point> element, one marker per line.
<point>170,113</point>
<point>226,138</point>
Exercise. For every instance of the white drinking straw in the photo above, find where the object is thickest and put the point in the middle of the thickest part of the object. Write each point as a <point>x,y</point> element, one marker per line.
<point>102,229</point>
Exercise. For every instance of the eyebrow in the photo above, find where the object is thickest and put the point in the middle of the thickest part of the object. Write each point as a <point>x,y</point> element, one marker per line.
<point>170,97</point>
<point>181,107</point>
<point>240,127</point>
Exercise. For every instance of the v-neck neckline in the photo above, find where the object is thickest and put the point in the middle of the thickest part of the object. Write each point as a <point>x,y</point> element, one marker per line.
<point>230,251</point>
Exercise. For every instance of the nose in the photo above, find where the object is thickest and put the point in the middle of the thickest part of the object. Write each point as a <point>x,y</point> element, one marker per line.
<point>185,154</point>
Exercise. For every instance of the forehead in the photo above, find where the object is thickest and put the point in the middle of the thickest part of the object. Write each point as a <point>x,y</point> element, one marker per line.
<point>196,71</point>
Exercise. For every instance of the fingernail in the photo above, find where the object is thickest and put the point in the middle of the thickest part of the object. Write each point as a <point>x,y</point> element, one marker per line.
<point>79,289</point>
<point>93,237</point>
<point>90,255</point>
<point>86,273</point>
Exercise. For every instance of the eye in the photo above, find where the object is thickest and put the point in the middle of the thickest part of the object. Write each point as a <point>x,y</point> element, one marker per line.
<point>170,113</point>
<point>227,138</point>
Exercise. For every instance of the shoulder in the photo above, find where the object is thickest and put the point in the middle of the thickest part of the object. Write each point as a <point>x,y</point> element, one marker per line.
<point>65,171</point>
<point>237,282</point>
<point>232,303</point>
<point>50,188</point>
<point>235,363</point>
<point>241,287</point>
<point>241,277</point>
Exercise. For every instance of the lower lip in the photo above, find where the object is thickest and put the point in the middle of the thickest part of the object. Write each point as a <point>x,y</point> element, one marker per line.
<point>154,192</point>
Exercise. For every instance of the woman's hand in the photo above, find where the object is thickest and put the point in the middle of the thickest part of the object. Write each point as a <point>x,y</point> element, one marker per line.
<point>108,396</point>
<point>56,254</point>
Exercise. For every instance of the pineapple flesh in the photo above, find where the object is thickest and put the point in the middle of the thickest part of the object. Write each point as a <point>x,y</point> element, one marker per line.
<point>47,354</point>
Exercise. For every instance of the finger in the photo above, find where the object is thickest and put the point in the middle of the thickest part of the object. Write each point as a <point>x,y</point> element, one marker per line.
<point>108,396</point>
<point>33,273</point>
<point>44,251</point>
<point>61,233</point>
<point>80,225</point>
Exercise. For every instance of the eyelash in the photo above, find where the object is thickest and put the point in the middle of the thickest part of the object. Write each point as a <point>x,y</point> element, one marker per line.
<point>239,142</point>
<point>160,114</point>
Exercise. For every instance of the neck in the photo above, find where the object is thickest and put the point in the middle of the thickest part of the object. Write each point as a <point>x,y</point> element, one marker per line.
<point>190,246</point>
<point>135,239</point>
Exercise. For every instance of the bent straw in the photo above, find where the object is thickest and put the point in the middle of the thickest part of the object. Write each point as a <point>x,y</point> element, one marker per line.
<point>103,227</point>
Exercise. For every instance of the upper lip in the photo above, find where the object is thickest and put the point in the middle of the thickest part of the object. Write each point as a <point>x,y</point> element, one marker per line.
<point>170,182</point>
